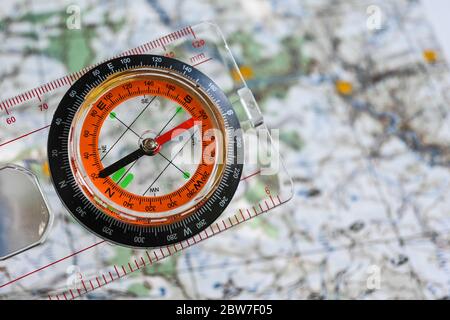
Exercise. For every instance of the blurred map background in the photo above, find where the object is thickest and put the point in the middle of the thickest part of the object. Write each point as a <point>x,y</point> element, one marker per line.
<point>359,92</point>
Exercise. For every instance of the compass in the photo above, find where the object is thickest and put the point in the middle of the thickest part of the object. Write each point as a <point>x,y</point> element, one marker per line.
<point>145,150</point>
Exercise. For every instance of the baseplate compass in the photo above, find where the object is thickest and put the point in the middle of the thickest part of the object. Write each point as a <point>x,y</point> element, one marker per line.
<point>157,149</point>
<point>143,151</point>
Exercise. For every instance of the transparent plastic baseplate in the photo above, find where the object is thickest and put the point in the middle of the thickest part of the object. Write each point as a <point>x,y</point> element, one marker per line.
<point>45,253</point>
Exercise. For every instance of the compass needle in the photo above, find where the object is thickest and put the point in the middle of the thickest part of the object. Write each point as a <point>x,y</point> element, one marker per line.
<point>165,168</point>
<point>179,129</point>
<point>121,163</point>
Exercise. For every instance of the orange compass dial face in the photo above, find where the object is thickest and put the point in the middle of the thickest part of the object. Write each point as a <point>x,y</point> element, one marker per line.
<point>146,149</point>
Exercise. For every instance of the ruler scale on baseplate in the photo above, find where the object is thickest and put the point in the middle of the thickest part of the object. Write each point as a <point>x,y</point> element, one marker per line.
<point>147,151</point>
<point>35,98</point>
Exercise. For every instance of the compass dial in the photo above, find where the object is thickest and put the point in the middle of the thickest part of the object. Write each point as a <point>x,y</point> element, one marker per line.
<point>144,150</point>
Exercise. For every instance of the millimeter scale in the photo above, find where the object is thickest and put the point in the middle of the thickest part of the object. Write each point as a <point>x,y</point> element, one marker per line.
<point>157,149</point>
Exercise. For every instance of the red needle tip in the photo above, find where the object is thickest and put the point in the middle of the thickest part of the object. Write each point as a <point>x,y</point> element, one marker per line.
<point>174,132</point>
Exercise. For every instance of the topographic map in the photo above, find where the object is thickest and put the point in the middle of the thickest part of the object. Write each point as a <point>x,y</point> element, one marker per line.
<point>365,134</point>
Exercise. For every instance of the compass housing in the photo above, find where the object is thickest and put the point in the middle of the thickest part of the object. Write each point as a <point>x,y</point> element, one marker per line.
<point>127,217</point>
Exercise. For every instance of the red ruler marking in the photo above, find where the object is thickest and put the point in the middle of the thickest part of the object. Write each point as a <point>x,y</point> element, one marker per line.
<point>67,80</point>
<point>271,199</point>
<point>84,285</point>
<point>149,258</point>
<point>192,32</point>
<point>117,271</point>
<point>188,245</point>
<point>242,215</point>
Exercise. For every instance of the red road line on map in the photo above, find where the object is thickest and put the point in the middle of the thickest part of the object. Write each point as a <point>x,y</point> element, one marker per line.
<point>50,264</point>
<point>23,136</point>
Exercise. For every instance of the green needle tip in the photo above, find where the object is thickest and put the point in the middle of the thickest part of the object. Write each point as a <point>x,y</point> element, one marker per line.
<point>127,180</point>
<point>118,174</point>
<point>186,175</point>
